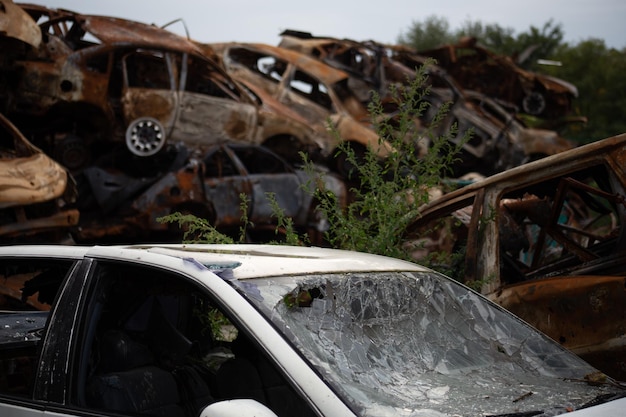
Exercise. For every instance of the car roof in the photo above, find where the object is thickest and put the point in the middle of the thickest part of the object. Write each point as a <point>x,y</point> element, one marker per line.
<point>117,30</point>
<point>323,72</point>
<point>246,260</point>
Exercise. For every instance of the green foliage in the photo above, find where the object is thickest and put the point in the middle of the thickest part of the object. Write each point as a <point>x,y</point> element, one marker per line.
<point>492,36</point>
<point>432,32</point>
<point>435,31</point>
<point>199,230</point>
<point>598,73</point>
<point>196,229</point>
<point>478,284</point>
<point>388,192</point>
<point>245,222</point>
<point>451,264</point>
<point>284,224</point>
<point>542,42</point>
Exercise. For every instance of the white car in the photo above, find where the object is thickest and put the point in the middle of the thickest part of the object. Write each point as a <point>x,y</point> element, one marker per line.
<point>254,330</point>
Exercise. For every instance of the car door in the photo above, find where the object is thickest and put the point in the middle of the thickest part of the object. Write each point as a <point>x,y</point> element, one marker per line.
<point>270,177</point>
<point>149,88</point>
<point>225,182</point>
<point>33,353</point>
<point>159,328</point>
<point>211,107</point>
<point>306,95</point>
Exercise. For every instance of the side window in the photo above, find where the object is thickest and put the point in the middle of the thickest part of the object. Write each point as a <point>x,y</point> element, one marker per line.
<point>311,89</point>
<point>267,65</point>
<point>204,79</point>
<point>147,69</point>
<point>218,164</point>
<point>156,344</point>
<point>98,63</point>
<point>27,290</point>
<point>259,161</point>
<point>271,67</point>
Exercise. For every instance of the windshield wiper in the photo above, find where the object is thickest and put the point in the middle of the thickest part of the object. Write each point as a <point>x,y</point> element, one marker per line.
<point>603,398</point>
<point>600,399</point>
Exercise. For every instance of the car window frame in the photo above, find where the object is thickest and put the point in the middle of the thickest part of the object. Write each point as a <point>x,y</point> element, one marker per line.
<point>92,283</point>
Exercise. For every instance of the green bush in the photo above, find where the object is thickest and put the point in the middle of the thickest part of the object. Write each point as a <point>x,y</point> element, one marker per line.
<point>385,193</point>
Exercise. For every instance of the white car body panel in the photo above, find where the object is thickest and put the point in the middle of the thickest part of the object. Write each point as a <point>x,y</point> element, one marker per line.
<point>256,261</point>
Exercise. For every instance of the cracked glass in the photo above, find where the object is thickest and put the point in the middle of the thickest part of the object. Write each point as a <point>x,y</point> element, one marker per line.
<point>417,343</point>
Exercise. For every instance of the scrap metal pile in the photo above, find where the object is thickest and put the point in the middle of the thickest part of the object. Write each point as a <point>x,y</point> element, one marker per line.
<point>145,123</point>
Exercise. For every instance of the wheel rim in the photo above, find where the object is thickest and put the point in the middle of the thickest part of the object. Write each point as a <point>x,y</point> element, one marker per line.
<point>534,103</point>
<point>145,136</point>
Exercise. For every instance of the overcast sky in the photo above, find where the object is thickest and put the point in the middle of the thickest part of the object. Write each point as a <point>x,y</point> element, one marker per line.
<point>382,21</point>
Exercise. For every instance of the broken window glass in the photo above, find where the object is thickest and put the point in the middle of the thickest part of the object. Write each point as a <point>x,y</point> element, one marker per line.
<point>399,343</point>
<point>29,287</point>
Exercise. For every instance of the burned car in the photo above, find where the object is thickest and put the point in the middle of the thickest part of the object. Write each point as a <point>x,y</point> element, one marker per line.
<point>209,185</point>
<point>267,331</point>
<point>477,68</point>
<point>317,92</point>
<point>36,193</point>
<point>545,240</point>
<point>100,80</point>
<point>499,139</point>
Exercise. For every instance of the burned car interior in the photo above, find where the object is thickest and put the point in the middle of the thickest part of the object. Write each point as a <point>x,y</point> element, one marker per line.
<point>566,225</point>
<point>145,327</point>
<point>28,291</point>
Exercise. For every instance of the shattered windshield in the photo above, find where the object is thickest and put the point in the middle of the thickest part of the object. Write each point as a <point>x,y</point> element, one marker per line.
<point>416,343</point>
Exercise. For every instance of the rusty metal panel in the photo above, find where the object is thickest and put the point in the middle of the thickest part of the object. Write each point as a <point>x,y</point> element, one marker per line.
<point>477,68</point>
<point>17,24</point>
<point>115,30</point>
<point>161,105</point>
<point>205,119</point>
<point>586,314</point>
<point>30,180</point>
<point>25,226</point>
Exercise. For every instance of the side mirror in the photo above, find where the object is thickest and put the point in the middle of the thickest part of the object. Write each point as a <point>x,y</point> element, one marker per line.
<point>237,408</point>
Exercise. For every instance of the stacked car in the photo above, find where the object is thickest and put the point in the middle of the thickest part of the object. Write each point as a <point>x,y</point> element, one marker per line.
<point>133,112</point>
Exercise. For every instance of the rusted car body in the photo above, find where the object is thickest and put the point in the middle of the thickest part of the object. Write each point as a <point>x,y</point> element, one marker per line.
<point>500,141</point>
<point>15,24</point>
<point>99,79</point>
<point>316,91</point>
<point>498,76</point>
<point>36,193</point>
<point>546,240</point>
<point>209,185</point>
